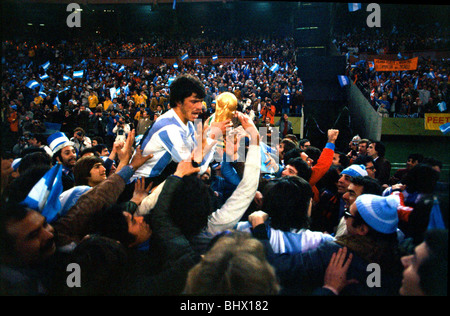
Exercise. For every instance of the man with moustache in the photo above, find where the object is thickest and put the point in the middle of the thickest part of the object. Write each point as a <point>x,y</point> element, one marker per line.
<point>64,153</point>
<point>27,249</point>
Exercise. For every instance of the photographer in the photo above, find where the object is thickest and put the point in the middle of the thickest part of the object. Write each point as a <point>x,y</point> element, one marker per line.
<point>80,140</point>
<point>121,130</point>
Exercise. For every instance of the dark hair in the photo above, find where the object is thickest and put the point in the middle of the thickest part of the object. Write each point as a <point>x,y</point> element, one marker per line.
<point>303,170</point>
<point>344,161</point>
<point>380,148</point>
<point>303,141</point>
<point>434,269</point>
<point>362,160</point>
<point>82,169</point>
<point>370,186</point>
<point>432,162</point>
<point>288,145</point>
<point>421,178</point>
<point>34,159</point>
<point>293,153</point>
<point>191,206</point>
<point>11,211</point>
<point>88,150</point>
<point>313,153</point>
<point>416,157</point>
<point>103,262</point>
<point>99,148</point>
<point>329,180</point>
<point>19,188</point>
<point>183,87</point>
<point>286,200</point>
<point>110,222</point>
<point>99,139</point>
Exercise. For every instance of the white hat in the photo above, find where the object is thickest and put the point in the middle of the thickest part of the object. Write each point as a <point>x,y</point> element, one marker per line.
<point>58,141</point>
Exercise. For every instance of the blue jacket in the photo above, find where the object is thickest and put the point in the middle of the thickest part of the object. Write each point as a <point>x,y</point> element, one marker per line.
<point>302,273</point>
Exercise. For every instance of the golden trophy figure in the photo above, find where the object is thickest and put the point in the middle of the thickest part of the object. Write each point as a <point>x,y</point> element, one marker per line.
<point>226,105</point>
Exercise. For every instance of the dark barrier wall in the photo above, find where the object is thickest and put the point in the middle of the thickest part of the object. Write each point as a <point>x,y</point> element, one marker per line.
<point>365,121</point>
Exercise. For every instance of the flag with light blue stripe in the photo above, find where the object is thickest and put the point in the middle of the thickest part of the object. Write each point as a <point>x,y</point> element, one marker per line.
<point>275,67</point>
<point>442,106</point>
<point>78,74</point>
<point>175,65</point>
<point>44,76</point>
<point>44,196</point>
<point>32,84</point>
<point>343,80</point>
<point>65,78</point>
<point>352,7</point>
<point>445,128</point>
<point>184,57</point>
<point>46,65</point>
<point>56,102</point>
<point>215,57</point>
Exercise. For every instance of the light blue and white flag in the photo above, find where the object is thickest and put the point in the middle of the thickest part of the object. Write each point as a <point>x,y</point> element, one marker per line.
<point>275,67</point>
<point>175,65</point>
<point>416,83</point>
<point>65,78</point>
<point>170,80</point>
<point>44,196</point>
<point>44,76</point>
<point>46,65</point>
<point>215,57</point>
<point>32,84</point>
<point>197,62</point>
<point>42,94</point>
<point>174,4</point>
<point>352,7</point>
<point>56,102</point>
<point>431,75</point>
<point>442,106</point>
<point>343,80</point>
<point>69,197</point>
<point>142,62</point>
<point>445,128</point>
<point>78,74</point>
<point>399,55</point>
<point>122,68</point>
<point>184,57</point>
<point>113,93</point>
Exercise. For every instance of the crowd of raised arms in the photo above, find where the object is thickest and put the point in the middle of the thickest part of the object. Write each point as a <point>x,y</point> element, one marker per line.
<point>107,170</point>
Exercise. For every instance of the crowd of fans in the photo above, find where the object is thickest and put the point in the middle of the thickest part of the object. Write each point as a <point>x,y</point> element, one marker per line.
<point>290,219</point>
<point>409,93</point>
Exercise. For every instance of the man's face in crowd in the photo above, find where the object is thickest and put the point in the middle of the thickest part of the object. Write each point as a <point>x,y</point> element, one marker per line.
<point>105,152</point>
<point>306,158</point>
<point>343,183</point>
<point>362,148</point>
<point>351,230</point>
<point>97,174</point>
<point>34,238</point>
<point>289,171</point>
<point>371,151</point>
<point>411,280</point>
<point>336,159</point>
<point>138,228</point>
<point>68,157</point>
<point>305,145</point>
<point>370,168</point>
<point>411,163</point>
<point>33,142</point>
<point>353,191</point>
<point>190,108</point>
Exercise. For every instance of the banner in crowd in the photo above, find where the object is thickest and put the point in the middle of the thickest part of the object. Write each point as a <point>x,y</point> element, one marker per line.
<point>434,120</point>
<point>396,65</point>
